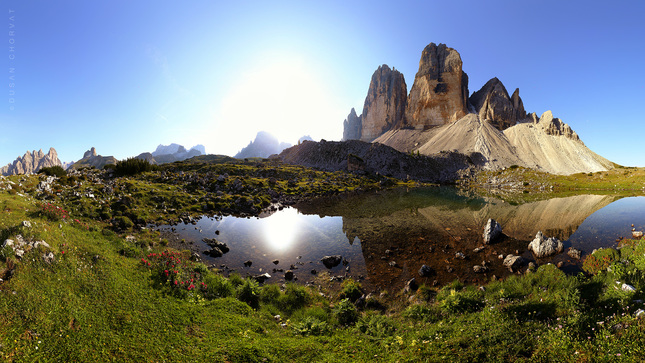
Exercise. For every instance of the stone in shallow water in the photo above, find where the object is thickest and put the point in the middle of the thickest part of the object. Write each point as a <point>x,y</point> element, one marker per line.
<point>492,231</point>
<point>331,261</point>
<point>544,247</point>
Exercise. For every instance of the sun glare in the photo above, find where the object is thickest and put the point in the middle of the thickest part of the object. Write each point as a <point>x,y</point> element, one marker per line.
<point>284,98</point>
<point>281,229</point>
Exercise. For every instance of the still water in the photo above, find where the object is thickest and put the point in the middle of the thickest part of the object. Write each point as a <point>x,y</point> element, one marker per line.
<point>385,237</point>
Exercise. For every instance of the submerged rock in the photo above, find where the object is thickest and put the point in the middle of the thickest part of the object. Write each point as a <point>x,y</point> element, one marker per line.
<point>543,247</point>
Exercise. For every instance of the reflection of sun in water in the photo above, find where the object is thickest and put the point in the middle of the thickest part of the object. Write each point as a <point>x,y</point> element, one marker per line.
<point>280,229</point>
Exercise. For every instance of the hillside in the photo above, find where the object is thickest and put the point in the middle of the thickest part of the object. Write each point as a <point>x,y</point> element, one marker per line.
<point>524,144</point>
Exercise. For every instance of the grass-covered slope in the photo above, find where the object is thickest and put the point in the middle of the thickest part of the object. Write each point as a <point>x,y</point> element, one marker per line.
<point>124,296</point>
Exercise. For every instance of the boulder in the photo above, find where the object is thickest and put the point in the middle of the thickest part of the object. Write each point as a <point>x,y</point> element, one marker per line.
<point>574,253</point>
<point>425,271</point>
<point>331,261</point>
<point>513,262</point>
<point>411,285</point>
<point>439,94</point>
<point>492,231</point>
<point>544,247</point>
<point>288,275</point>
<point>262,278</point>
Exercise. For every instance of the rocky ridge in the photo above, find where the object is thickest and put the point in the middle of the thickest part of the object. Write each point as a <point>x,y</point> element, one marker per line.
<point>363,157</point>
<point>32,162</point>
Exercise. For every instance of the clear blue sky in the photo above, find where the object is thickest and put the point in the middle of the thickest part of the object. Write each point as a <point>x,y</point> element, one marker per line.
<point>125,76</point>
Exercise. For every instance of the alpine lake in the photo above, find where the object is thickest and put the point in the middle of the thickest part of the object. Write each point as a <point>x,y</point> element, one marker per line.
<point>385,237</point>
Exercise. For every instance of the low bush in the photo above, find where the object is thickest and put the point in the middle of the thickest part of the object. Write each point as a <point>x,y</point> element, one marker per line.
<point>56,170</point>
<point>132,166</point>
<point>346,313</point>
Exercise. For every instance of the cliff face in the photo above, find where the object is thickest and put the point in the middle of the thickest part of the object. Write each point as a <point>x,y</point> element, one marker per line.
<point>493,104</point>
<point>32,162</point>
<point>385,104</point>
<point>439,94</point>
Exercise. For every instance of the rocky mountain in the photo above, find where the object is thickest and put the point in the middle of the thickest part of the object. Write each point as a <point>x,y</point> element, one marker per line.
<point>32,162</point>
<point>92,159</point>
<point>171,153</point>
<point>264,146</point>
<point>440,116</point>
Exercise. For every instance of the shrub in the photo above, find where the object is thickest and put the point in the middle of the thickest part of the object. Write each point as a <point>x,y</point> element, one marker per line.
<point>351,290</point>
<point>248,292</point>
<point>269,294</point>
<point>375,326</point>
<point>294,298</point>
<point>52,212</point>
<point>345,312</point>
<point>311,325</point>
<point>422,313</point>
<point>132,166</point>
<point>217,287</point>
<point>452,300</point>
<point>56,170</point>
<point>600,260</point>
<point>122,223</point>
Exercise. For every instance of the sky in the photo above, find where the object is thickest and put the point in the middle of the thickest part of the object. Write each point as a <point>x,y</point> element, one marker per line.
<point>125,76</point>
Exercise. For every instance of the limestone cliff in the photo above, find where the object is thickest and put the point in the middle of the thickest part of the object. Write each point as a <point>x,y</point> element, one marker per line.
<point>439,94</point>
<point>385,104</point>
<point>32,162</point>
<point>493,104</point>
<point>352,126</point>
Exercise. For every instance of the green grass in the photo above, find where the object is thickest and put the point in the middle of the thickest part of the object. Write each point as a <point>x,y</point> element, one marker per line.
<point>108,299</point>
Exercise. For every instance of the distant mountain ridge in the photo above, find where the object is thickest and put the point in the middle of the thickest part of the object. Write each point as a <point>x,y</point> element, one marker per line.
<point>170,153</point>
<point>32,162</point>
<point>264,146</point>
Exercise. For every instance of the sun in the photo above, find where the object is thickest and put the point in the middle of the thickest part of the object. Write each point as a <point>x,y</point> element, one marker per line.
<point>284,97</point>
<point>281,229</point>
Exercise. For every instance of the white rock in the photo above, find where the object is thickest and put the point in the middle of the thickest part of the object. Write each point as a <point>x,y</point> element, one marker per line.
<point>543,247</point>
<point>492,231</point>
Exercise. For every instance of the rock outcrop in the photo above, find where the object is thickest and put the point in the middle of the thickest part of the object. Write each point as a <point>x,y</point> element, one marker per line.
<point>32,162</point>
<point>439,94</point>
<point>554,126</point>
<point>352,126</point>
<point>385,104</point>
<point>493,104</point>
<point>92,160</point>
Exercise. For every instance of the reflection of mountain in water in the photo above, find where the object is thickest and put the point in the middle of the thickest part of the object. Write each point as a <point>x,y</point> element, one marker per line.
<point>429,226</point>
<point>435,209</point>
